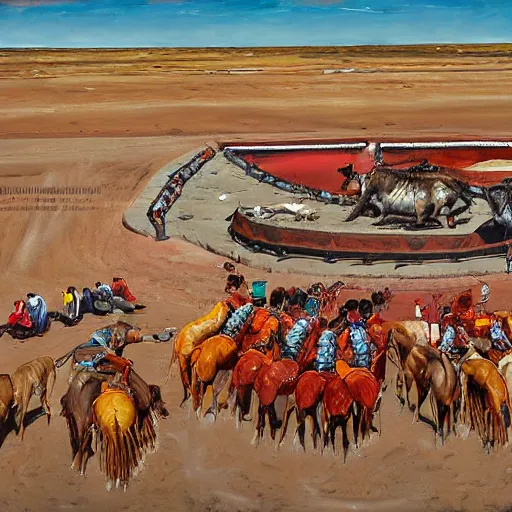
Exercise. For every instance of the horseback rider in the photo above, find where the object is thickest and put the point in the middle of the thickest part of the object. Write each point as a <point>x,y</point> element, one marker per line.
<point>326,352</point>
<point>498,337</point>
<point>455,339</point>
<point>359,340</point>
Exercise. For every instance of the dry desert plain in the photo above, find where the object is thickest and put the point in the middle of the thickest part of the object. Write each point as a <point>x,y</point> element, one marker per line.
<point>111,119</point>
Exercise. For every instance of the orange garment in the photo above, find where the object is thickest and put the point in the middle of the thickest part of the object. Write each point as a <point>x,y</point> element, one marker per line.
<point>120,289</point>
<point>375,319</point>
<point>345,346</point>
<point>237,300</point>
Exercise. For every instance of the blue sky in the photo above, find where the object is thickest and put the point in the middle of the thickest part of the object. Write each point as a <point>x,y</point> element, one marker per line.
<point>210,23</point>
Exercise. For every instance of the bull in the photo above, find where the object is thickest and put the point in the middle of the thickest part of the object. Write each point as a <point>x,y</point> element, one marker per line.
<point>418,195</point>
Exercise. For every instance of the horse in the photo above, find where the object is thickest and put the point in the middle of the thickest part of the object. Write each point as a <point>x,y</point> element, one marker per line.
<point>35,377</point>
<point>259,348</point>
<point>337,410</point>
<point>432,371</point>
<point>122,446</point>
<point>192,336</point>
<point>6,400</point>
<point>485,400</point>
<point>402,337</point>
<point>85,388</point>
<point>217,353</point>
<point>309,392</point>
<point>365,390</point>
<point>280,377</point>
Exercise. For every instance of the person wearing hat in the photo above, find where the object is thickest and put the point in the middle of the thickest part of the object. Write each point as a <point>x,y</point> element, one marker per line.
<point>417,309</point>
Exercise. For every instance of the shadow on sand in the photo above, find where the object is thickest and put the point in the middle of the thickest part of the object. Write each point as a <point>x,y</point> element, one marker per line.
<point>10,424</point>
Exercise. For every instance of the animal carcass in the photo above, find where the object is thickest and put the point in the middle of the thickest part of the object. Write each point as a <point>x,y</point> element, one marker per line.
<point>418,195</point>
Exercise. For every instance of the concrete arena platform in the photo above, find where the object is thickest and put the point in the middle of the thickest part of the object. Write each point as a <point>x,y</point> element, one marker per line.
<point>208,227</point>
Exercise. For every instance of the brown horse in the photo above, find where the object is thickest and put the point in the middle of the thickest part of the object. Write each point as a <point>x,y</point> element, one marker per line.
<point>431,371</point>
<point>365,390</point>
<point>402,337</point>
<point>485,401</point>
<point>337,409</point>
<point>309,392</point>
<point>280,378</point>
<point>245,372</point>
<point>77,407</point>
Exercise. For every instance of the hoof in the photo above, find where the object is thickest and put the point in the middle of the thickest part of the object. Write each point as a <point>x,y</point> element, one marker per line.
<point>210,417</point>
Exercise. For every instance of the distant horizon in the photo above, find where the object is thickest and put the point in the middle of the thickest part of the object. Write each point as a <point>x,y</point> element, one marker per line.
<point>117,24</point>
<point>128,48</point>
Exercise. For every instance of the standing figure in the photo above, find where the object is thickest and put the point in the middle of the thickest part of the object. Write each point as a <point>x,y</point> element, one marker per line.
<point>509,256</point>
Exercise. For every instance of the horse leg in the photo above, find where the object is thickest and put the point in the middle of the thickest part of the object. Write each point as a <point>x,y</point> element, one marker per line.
<point>218,385</point>
<point>316,427</point>
<point>408,385</point>
<point>273,421</point>
<point>346,443</point>
<point>200,391</point>
<point>194,389</point>
<point>325,428</point>
<point>400,389</point>
<point>456,406</point>
<point>287,413</point>
<point>47,393</point>
<point>185,394</point>
<point>356,422</point>
<point>332,433</point>
<point>422,395</point>
<point>301,428</point>
<point>260,425</point>
<point>24,408</point>
<point>442,410</point>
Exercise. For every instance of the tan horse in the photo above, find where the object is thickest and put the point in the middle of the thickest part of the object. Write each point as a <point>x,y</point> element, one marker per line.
<point>432,371</point>
<point>35,377</point>
<point>485,400</point>
<point>192,336</point>
<point>122,445</point>
<point>402,337</point>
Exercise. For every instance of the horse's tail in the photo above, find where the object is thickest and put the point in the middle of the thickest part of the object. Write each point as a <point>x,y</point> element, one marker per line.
<point>505,412</point>
<point>393,349</point>
<point>123,443</point>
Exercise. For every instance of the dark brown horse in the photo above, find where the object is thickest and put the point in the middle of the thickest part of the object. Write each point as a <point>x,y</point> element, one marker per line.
<point>78,401</point>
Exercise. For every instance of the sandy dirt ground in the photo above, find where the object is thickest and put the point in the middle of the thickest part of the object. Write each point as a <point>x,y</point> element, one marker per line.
<point>115,132</point>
